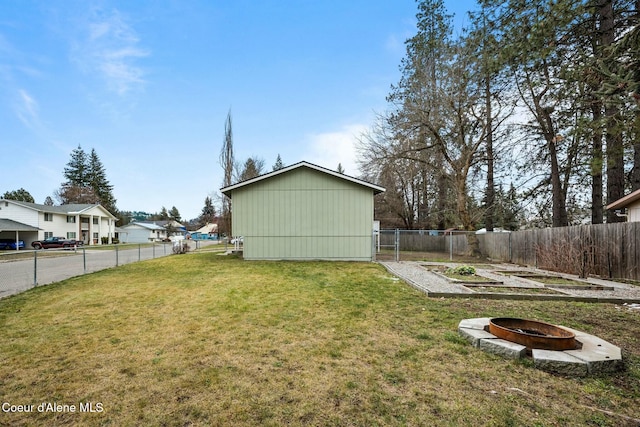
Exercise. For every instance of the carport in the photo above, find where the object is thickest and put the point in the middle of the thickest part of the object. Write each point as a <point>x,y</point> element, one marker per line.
<point>10,229</point>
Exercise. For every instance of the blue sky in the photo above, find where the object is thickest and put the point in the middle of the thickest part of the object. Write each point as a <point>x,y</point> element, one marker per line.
<point>148,85</point>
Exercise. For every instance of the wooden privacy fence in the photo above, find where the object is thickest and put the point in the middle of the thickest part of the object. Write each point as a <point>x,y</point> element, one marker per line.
<point>605,250</point>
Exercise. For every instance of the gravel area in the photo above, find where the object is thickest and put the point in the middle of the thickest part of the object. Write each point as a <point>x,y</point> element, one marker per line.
<point>421,278</point>
<point>418,275</point>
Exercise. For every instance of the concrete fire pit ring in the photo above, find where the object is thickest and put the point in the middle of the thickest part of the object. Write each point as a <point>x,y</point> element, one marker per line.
<point>591,356</point>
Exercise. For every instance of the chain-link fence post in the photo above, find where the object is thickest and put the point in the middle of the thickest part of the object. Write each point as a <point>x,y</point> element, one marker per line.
<point>451,246</point>
<point>35,268</point>
<point>397,244</point>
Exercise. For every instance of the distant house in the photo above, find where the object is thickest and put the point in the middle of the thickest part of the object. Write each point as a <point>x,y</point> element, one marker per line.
<point>208,231</point>
<point>304,211</point>
<point>142,232</point>
<point>630,202</point>
<point>26,221</point>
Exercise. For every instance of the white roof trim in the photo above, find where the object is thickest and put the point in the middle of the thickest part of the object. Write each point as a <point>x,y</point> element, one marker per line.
<point>227,190</point>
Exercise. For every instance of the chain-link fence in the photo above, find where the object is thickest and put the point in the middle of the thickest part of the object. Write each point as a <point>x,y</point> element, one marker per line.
<point>424,245</point>
<point>24,269</point>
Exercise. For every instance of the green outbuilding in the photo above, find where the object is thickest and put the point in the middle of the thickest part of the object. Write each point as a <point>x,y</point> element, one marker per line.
<point>304,212</point>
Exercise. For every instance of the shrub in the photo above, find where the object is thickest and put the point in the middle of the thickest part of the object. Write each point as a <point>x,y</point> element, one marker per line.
<point>463,270</point>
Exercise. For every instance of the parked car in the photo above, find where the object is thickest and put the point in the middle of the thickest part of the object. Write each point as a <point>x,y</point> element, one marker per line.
<point>7,244</point>
<point>56,242</point>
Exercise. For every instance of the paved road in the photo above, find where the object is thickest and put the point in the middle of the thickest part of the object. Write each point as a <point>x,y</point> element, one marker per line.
<point>19,272</point>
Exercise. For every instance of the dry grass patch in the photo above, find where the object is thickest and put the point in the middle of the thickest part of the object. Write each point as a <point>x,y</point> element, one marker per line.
<point>203,339</point>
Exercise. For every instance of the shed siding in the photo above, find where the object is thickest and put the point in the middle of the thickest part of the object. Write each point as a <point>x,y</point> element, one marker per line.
<point>304,214</point>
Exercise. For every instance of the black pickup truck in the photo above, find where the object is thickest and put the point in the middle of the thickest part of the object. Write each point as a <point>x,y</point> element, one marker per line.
<point>56,242</point>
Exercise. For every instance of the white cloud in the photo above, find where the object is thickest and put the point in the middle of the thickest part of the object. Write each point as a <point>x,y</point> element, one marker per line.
<point>27,109</point>
<point>332,148</point>
<point>110,47</point>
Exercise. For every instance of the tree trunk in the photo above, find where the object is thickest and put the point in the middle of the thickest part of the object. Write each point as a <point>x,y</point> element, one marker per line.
<point>614,141</point>
<point>491,191</point>
<point>559,210</point>
<point>597,203</point>
<point>473,245</point>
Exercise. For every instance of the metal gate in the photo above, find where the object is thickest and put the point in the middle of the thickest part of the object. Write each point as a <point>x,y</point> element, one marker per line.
<point>387,245</point>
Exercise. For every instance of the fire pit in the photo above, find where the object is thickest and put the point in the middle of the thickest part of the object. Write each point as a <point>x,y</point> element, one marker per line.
<point>532,334</point>
<point>583,354</point>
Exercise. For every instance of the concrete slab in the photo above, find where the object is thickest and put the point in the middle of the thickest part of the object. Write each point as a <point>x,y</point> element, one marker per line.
<point>503,348</point>
<point>559,362</point>
<point>601,356</point>
<point>477,323</point>
<point>475,335</point>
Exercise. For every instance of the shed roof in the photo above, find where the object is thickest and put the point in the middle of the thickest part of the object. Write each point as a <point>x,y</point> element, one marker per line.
<point>11,225</point>
<point>227,190</point>
<point>625,201</point>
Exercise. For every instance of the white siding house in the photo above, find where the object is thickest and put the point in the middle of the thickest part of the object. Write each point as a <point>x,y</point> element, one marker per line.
<point>630,202</point>
<point>142,232</point>
<point>91,223</point>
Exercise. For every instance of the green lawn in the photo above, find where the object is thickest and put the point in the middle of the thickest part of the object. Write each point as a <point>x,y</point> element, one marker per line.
<point>203,339</point>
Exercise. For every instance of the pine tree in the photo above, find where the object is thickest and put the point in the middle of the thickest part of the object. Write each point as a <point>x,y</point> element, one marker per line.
<point>174,214</point>
<point>97,179</point>
<point>164,215</point>
<point>278,164</point>
<point>86,181</point>
<point>20,195</point>
<point>76,170</point>
<point>208,213</point>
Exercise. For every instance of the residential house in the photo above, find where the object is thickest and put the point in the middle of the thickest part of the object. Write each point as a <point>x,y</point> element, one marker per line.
<point>91,223</point>
<point>208,231</point>
<point>630,203</point>
<point>142,232</point>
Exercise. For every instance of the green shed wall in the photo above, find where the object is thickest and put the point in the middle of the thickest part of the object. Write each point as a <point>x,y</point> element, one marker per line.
<point>304,214</point>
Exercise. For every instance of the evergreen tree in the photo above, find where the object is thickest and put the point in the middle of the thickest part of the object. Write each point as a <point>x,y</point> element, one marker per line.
<point>86,181</point>
<point>253,167</point>
<point>174,214</point>
<point>278,164</point>
<point>97,179</point>
<point>164,215</point>
<point>76,171</point>
<point>48,201</point>
<point>208,213</point>
<point>340,169</point>
<point>20,195</point>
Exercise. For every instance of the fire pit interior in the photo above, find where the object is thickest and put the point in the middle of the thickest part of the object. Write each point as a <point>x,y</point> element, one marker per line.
<point>532,334</point>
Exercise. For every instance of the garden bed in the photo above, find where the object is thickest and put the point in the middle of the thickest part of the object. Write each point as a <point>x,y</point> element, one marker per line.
<point>513,290</point>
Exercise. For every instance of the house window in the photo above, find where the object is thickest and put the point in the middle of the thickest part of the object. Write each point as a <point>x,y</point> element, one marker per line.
<point>95,236</point>
<point>48,234</point>
<point>48,216</point>
<point>95,221</point>
<point>71,218</point>
<point>71,235</point>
